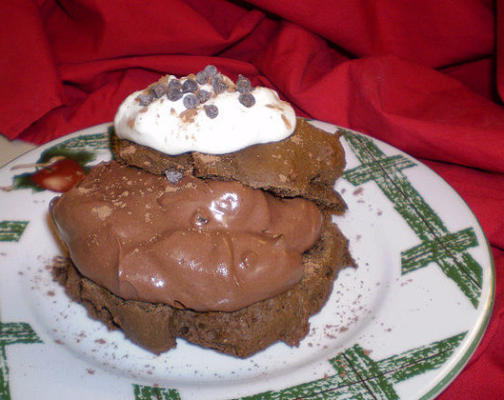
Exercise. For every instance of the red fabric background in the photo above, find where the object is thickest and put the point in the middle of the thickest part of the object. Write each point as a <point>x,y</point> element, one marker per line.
<point>425,76</point>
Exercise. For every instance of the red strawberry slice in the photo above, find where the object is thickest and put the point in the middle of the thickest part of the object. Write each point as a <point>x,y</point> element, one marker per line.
<point>59,176</point>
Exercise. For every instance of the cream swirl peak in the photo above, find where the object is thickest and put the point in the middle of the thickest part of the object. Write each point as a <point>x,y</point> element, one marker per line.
<point>206,112</point>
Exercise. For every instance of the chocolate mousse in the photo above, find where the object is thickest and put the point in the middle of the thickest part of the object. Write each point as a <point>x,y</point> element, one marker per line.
<point>203,245</point>
<point>229,245</point>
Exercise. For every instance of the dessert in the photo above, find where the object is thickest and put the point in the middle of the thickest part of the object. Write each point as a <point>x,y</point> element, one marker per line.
<point>213,222</point>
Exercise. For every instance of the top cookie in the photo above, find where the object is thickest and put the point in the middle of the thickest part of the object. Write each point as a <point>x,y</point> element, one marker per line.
<point>306,164</point>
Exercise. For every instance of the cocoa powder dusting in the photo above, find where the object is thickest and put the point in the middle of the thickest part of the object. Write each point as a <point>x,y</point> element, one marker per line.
<point>286,122</point>
<point>188,116</point>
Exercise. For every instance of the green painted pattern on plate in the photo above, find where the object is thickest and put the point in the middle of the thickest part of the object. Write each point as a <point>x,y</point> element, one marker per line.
<point>358,376</point>
<point>12,333</point>
<point>438,245</point>
<point>11,231</point>
<point>154,393</point>
<point>97,141</point>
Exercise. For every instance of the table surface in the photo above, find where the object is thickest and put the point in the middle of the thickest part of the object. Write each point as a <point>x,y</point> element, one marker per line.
<point>10,149</point>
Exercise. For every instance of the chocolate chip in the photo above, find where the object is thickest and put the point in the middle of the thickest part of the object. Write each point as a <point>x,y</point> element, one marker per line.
<point>201,77</point>
<point>157,90</point>
<point>175,84</point>
<point>173,176</point>
<point>203,95</point>
<point>199,219</point>
<point>190,101</point>
<point>206,74</point>
<point>144,99</point>
<point>218,84</point>
<point>243,84</point>
<point>210,70</point>
<point>211,111</point>
<point>189,86</point>
<point>174,93</point>
<point>246,99</point>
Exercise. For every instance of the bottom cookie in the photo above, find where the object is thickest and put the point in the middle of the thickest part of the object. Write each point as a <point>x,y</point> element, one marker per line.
<point>240,333</point>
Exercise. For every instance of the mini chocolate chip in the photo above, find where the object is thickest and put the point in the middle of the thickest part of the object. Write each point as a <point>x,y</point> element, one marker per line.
<point>199,220</point>
<point>210,70</point>
<point>190,101</point>
<point>201,77</point>
<point>189,86</point>
<point>211,111</point>
<point>203,95</point>
<point>175,83</point>
<point>157,90</point>
<point>243,84</point>
<point>173,176</point>
<point>246,99</point>
<point>218,84</point>
<point>206,74</point>
<point>174,93</point>
<point>144,99</point>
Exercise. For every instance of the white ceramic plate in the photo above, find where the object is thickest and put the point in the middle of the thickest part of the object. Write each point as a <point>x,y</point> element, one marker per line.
<point>402,325</point>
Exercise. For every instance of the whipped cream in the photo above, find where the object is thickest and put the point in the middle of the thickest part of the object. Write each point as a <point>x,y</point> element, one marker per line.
<point>229,120</point>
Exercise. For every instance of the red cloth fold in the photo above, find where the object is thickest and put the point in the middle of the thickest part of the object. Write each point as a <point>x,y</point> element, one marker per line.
<point>425,76</point>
